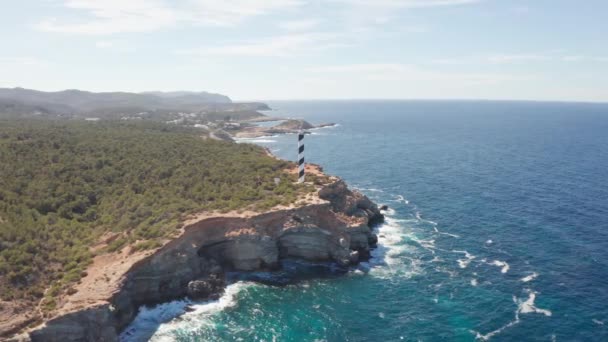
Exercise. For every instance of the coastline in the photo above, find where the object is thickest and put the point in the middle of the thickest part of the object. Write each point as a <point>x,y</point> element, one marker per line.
<point>333,224</point>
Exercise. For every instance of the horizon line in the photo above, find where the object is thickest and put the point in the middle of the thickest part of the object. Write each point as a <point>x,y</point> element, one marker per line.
<point>425,100</point>
<point>324,99</point>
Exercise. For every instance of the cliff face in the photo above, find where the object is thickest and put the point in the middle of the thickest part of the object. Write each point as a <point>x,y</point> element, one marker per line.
<point>337,229</point>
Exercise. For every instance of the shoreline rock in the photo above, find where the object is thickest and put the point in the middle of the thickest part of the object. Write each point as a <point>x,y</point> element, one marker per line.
<point>337,229</point>
<point>288,126</point>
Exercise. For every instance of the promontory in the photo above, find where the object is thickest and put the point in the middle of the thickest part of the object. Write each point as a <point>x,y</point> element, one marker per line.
<point>100,218</point>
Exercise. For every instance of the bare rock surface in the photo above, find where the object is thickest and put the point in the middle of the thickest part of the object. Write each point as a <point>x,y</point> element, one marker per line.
<point>334,228</point>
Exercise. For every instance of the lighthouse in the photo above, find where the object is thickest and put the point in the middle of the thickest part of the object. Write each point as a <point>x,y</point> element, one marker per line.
<point>301,156</point>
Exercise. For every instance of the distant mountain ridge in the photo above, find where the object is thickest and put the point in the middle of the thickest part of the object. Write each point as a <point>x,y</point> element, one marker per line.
<point>182,93</point>
<point>79,101</point>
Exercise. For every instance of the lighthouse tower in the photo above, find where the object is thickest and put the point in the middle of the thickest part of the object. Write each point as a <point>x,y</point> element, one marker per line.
<point>301,156</point>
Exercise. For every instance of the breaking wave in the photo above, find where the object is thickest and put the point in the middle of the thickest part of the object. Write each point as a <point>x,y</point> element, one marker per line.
<point>159,323</point>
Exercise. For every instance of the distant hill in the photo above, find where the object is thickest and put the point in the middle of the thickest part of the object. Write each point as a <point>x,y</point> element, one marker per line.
<point>13,108</point>
<point>201,95</point>
<point>237,115</point>
<point>78,101</point>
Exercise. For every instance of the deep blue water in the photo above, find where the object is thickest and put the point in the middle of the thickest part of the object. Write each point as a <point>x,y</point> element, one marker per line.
<point>498,229</point>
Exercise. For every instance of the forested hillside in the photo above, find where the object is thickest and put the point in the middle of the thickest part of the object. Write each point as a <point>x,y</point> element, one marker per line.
<point>63,184</point>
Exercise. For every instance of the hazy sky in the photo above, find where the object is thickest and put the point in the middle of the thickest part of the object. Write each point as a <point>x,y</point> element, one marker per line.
<point>300,49</point>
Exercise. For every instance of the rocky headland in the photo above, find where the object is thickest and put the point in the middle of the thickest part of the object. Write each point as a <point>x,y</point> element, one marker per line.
<point>286,126</point>
<point>333,224</point>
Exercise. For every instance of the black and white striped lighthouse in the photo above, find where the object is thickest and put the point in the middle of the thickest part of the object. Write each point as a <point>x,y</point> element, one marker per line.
<point>301,157</point>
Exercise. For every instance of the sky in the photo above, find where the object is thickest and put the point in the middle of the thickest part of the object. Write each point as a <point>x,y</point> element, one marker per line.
<point>307,49</point>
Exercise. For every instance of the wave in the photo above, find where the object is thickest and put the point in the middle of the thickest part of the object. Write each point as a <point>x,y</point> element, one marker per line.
<point>400,199</point>
<point>527,306</point>
<point>443,233</point>
<point>523,307</point>
<point>159,322</point>
<point>389,259</point>
<point>428,244</point>
<point>149,319</point>
<point>464,263</point>
<point>529,277</point>
<point>504,266</point>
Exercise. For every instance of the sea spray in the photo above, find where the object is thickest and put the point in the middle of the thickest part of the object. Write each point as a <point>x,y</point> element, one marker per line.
<point>160,321</point>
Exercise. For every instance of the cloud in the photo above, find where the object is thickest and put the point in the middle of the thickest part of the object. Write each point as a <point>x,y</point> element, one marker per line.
<point>409,3</point>
<point>117,16</point>
<point>278,46</point>
<point>102,17</point>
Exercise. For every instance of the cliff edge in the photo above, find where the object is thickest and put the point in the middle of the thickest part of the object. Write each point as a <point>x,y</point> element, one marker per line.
<point>334,224</point>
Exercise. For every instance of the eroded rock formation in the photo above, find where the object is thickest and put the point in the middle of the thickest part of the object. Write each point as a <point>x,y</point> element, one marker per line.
<point>337,229</point>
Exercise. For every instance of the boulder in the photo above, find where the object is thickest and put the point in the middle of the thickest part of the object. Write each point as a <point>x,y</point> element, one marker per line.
<point>352,203</point>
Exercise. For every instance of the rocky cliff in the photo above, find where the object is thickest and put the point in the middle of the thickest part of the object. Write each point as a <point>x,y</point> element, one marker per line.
<point>335,228</point>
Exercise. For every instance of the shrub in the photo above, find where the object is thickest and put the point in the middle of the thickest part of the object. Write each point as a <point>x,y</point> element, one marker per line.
<point>65,183</point>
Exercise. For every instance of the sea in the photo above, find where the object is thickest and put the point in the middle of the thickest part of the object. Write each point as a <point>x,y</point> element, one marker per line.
<point>497,229</point>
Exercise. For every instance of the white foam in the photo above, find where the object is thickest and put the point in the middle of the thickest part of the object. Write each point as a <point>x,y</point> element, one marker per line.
<point>437,259</point>
<point>597,321</point>
<point>163,319</point>
<point>443,233</point>
<point>503,264</point>
<point>527,306</point>
<point>400,198</point>
<point>523,307</point>
<point>393,257</point>
<point>489,242</point>
<point>491,334</point>
<point>428,244</point>
<point>148,319</point>
<point>464,263</point>
<point>529,277</point>
<point>473,282</point>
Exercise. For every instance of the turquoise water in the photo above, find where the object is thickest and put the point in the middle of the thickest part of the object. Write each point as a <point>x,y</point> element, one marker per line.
<point>497,229</point>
